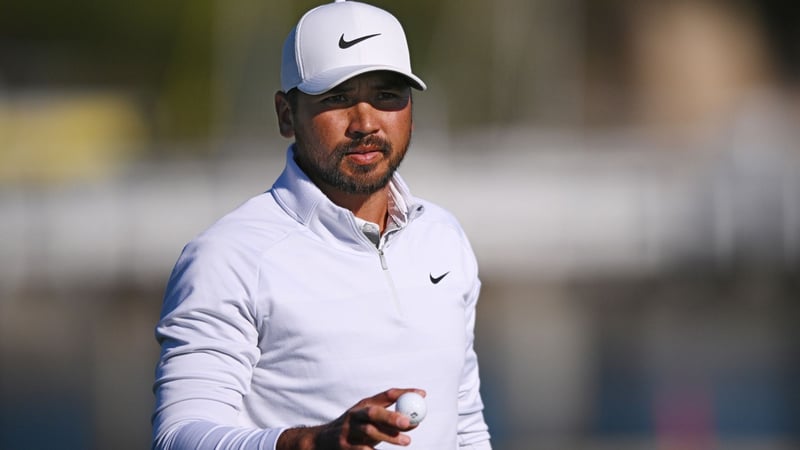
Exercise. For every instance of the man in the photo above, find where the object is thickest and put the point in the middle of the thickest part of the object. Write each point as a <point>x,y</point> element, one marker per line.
<point>297,320</point>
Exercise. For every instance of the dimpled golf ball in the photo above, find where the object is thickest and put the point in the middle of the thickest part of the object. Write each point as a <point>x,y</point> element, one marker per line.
<point>413,406</point>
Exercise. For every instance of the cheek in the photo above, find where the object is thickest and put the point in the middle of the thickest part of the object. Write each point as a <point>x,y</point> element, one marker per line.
<point>400,126</point>
<point>328,128</point>
<point>311,135</point>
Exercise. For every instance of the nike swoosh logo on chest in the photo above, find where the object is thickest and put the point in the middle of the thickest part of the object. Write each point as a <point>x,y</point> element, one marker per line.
<point>436,280</point>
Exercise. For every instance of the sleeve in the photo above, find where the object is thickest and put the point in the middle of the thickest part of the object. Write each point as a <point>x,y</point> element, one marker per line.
<point>473,433</point>
<point>208,337</point>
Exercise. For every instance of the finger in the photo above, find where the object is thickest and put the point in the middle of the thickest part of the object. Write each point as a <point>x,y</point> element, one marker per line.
<point>387,397</point>
<point>389,421</point>
<point>395,393</point>
<point>372,434</point>
<point>384,398</point>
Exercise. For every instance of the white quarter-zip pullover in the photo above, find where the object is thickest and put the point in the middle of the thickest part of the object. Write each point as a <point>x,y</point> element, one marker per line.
<point>283,313</point>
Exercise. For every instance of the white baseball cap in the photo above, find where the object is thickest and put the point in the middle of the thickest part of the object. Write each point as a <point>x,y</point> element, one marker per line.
<point>337,41</point>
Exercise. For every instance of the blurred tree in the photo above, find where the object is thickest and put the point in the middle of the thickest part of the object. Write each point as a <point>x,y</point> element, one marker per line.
<point>157,50</point>
<point>781,22</point>
<point>207,68</point>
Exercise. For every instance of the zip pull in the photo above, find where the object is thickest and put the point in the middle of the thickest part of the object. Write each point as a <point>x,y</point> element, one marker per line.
<point>384,266</point>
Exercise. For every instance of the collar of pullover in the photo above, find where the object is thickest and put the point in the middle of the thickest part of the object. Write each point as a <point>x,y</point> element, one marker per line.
<point>307,204</point>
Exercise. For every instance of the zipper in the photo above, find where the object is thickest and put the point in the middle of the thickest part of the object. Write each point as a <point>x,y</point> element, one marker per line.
<point>384,266</point>
<point>390,282</point>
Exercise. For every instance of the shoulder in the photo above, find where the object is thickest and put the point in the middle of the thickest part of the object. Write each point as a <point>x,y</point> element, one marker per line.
<point>434,214</point>
<point>441,226</point>
<point>239,238</point>
<point>225,259</point>
<point>255,224</point>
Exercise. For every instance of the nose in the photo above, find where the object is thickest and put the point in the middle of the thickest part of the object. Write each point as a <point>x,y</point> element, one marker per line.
<point>363,120</point>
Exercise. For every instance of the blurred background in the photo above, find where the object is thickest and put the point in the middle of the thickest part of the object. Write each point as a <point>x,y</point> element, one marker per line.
<point>628,172</point>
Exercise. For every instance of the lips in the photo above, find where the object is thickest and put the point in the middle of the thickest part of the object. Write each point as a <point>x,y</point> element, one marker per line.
<point>364,151</point>
<point>365,156</point>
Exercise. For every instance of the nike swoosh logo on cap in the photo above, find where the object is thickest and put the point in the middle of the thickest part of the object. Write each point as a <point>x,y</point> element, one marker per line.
<point>347,44</point>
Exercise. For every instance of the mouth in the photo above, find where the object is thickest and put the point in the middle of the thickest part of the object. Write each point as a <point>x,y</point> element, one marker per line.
<point>363,156</point>
<point>365,148</point>
<point>365,152</point>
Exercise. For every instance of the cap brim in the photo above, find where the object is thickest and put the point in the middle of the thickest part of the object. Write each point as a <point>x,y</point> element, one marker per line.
<point>326,81</point>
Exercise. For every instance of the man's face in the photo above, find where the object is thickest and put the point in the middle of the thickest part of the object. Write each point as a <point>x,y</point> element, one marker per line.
<point>352,138</point>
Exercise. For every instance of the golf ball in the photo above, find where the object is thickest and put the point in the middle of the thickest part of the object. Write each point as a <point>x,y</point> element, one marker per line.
<point>413,406</point>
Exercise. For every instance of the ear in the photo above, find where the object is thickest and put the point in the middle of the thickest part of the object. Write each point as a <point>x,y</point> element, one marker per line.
<point>283,109</point>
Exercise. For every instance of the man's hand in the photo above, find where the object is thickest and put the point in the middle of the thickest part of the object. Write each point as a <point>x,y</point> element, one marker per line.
<point>361,427</point>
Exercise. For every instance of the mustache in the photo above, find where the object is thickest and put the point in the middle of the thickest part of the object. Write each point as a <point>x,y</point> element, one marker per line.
<point>382,145</point>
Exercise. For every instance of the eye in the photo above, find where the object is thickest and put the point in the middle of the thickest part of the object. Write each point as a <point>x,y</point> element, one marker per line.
<point>335,99</point>
<point>387,95</point>
<point>392,99</point>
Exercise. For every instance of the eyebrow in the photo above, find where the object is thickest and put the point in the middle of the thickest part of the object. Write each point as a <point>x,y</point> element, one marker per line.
<point>344,87</point>
<point>393,84</point>
<point>394,81</point>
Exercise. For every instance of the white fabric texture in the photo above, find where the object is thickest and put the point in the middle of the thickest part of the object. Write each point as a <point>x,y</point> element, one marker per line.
<point>283,313</point>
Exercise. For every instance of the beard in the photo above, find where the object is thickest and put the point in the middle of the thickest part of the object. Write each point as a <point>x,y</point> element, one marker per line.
<point>336,171</point>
